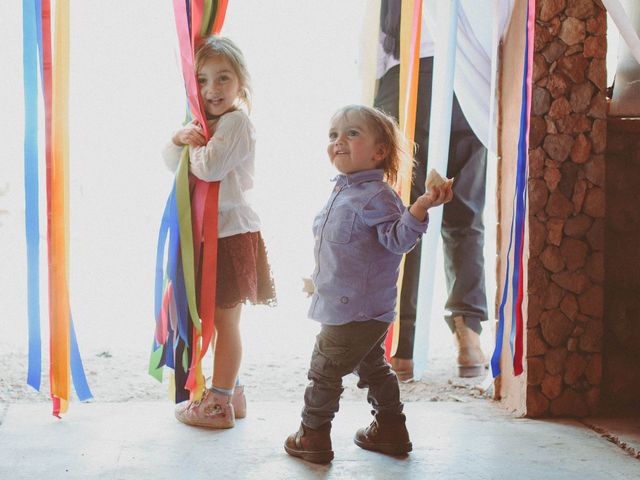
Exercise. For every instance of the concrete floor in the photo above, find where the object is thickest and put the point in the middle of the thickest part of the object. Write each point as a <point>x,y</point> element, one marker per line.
<point>138,440</point>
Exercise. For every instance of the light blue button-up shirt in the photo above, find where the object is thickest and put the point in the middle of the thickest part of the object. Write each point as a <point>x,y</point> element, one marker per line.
<point>360,237</point>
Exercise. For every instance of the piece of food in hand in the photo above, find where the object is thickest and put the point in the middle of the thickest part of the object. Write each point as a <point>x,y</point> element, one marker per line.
<point>308,287</point>
<point>434,179</point>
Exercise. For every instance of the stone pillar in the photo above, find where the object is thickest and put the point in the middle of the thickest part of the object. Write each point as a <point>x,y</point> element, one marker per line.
<point>564,275</point>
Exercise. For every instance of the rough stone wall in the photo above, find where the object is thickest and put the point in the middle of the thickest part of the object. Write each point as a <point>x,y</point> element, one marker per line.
<point>621,354</point>
<point>566,209</point>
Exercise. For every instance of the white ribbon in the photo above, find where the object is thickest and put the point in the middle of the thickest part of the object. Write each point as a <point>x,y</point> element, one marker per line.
<point>625,27</point>
<point>444,62</point>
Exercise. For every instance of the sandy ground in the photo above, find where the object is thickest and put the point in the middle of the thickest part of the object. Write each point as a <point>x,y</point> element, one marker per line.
<point>274,366</point>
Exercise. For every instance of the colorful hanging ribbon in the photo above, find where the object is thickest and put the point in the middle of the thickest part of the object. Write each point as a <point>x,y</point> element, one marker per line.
<point>59,266</point>
<point>184,322</point>
<point>410,31</point>
<point>410,23</point>
<point>30,61</point>
<point>65,360</point>
<point>444,62</point>
<point>516,236</point>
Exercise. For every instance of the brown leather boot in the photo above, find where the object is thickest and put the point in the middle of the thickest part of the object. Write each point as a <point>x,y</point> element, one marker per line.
<point>403,368</point>
<point>386,434</point>
<point>471,360</point>
<point>312,445</point>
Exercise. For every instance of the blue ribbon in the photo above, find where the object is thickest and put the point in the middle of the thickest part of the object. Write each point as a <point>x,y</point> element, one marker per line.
<point>77,370</point>
<point>32,228</point>
<point>517,223</point>
<point>495,358</point>
<point>521,178</point>
<point>168,350</point>
<point>162,240</point>
<point>169,227</point>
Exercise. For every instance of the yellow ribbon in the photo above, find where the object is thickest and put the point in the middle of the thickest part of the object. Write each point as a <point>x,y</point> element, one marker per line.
<point>59,294</point>
<point>410,23</point>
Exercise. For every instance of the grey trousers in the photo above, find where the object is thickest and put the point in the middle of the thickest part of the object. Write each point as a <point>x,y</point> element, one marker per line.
<point>462,224</point>
<point>356,347</point>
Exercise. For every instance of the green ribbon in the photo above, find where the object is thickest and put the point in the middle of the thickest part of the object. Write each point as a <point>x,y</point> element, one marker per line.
<point>186,236</point>
<point>154,361</point>
<point>208,15</point>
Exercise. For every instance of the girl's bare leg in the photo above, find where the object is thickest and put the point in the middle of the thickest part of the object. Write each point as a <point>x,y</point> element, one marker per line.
<point>227,347</point>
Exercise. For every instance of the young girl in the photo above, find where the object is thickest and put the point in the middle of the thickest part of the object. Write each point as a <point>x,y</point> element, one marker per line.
<point>360,236</point>
<point>243,270</point>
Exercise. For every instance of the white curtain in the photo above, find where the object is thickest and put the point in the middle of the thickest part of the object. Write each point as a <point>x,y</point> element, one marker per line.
<point>481,24</point>
<point>625,26</point>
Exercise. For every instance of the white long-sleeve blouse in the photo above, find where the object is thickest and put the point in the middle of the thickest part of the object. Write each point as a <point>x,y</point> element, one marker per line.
<point>228,157</point>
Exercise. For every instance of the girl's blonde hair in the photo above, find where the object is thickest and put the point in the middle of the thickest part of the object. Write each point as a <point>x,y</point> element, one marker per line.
<point>217,45</point>
<point>386,132</point>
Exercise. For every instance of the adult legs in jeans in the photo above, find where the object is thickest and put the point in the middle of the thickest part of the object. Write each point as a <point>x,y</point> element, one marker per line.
<point>343,349</point>
<point>462,227</point>
<point>463,232</point>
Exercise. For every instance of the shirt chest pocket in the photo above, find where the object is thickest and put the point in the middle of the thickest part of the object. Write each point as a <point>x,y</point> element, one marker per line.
<point>339,227</point>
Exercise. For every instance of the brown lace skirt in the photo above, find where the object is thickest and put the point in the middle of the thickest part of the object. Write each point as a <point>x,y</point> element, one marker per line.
<point>244,274</point>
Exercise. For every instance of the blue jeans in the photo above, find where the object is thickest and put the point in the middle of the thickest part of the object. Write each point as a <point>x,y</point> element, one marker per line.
<point>356,347</point>
<point>462,224</point>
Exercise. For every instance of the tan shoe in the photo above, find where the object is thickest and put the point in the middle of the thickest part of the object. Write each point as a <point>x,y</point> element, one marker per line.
<point>471,360</point>
<point>211,411</point>
<point>403,368</point>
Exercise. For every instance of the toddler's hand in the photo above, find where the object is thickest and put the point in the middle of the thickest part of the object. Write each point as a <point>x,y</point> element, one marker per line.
<point>436,196</point>
<point>432,198</point>
<point>191,134</point>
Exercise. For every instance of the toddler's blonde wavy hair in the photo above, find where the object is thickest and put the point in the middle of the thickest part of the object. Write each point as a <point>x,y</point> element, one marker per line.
<point>386,132</point>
